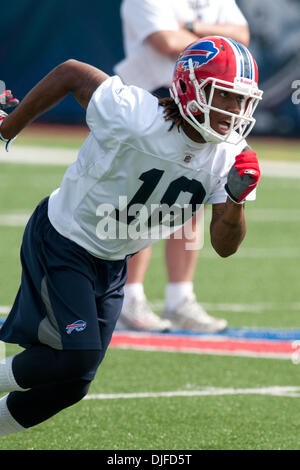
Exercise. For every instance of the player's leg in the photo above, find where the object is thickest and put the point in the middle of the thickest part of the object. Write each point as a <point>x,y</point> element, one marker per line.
<point>136,313</point>
<point>42,365</point>
<point>52,380</point>
<point>46,380</point>
<point>22,410</point>
<point>64,344</point>
<point>181,307</point>
<point>55,315</point>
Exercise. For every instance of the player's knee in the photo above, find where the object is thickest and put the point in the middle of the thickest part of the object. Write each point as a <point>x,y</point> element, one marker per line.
<point>76,391</point>
<point>80,363</point>
<point>46,365</point>
<point>88,362</point>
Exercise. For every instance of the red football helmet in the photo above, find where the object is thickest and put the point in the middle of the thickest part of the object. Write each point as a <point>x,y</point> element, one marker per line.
<point>223,64</point>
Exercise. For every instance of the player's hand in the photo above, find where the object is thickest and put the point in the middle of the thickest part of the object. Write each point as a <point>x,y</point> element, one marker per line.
<point>7,100</point>
<point>3,115</point>
<point>243,176</point>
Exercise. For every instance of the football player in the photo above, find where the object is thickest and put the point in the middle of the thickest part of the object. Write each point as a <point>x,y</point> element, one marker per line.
<point>134,162</point>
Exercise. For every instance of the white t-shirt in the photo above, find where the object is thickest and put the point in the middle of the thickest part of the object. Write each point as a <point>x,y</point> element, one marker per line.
<point>130,161</point>
<point>144,66</point>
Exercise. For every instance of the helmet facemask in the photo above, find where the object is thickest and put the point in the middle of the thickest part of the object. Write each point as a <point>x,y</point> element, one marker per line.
<point>240,124</point>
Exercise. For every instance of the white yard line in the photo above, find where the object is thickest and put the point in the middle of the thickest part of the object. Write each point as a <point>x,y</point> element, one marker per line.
<point>272,215</point>
<point>256,308</point>
<point>14,219</point>
<point>19,218</point>
<point>250,253</point>
<point>280,169</point>
<point>261,253</point>
<point>63,156</point>
<point>276,391</point>
<point>240,307</point>
<point>39,155</point>
<point>4,309</point>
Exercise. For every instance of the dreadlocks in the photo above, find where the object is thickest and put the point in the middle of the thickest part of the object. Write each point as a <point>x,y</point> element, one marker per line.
<point>171,112</point>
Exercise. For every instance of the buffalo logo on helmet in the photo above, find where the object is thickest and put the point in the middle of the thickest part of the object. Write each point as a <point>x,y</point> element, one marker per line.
<point>200,53</point>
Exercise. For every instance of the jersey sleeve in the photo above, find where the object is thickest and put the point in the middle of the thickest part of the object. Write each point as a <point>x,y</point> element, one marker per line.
<point>148,16</point>
<point>116,111</point>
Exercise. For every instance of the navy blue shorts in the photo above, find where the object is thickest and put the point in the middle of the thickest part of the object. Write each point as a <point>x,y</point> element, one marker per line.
<point>68,299</point>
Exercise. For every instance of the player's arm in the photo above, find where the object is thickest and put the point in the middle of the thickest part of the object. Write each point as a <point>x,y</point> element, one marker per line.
<point>71,76</point>
<point>171,43</point>
<point>228,227</point>
<point>237,32</point>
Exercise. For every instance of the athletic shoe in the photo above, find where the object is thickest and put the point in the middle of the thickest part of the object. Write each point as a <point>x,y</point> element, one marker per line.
<point>191,316</point>
<point>138,316</point>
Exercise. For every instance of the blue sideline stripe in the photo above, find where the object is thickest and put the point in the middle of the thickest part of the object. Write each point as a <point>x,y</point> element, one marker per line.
<point>241,333</point>
<point>249,333</point>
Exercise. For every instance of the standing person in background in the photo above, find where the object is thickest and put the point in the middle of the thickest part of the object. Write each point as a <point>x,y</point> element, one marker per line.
<point>154,33</point>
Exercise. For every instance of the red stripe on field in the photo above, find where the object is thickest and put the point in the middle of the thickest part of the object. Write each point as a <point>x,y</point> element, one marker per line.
<point>180,343</point>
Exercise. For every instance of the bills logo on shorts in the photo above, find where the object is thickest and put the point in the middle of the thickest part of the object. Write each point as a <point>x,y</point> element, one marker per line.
<point>78,325</point>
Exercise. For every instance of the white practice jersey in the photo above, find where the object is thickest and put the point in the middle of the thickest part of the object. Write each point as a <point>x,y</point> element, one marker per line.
<point>134,181</point>
<point>143,65</point>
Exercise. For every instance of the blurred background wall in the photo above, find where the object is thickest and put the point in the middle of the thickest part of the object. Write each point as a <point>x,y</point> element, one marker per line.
<point>275,40</point>
<point>37,35</point>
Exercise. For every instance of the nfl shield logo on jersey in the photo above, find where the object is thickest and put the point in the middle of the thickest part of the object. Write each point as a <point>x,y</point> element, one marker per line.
<point>78,325</point>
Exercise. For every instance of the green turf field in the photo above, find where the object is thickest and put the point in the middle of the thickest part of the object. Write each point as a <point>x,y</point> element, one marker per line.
<point>257,287</point>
